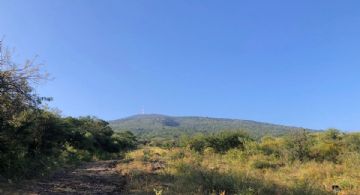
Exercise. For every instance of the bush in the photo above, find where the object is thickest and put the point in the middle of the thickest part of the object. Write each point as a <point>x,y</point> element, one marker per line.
<point>198,143</point>
<point>352,142</point>
<point>36,142</point>
<point>325,151</point>
<point>272,146</point>
<point>220,142</point>
<point>298,145</point>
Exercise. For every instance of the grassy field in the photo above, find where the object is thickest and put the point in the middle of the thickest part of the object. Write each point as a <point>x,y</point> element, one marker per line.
<point>154,170</point>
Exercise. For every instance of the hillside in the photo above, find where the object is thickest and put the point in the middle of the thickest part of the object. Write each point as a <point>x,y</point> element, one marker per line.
<point>155,125</point>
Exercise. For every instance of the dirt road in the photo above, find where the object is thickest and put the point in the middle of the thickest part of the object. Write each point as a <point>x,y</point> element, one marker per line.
<point>91,178</point>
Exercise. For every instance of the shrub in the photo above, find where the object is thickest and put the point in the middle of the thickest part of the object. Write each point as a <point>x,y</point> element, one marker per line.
<point>325,151</point>
<point>36,142</point>
<point>220,142</point>
<point>198,143</point>
<point>272,146</point>
<point>298,144</point>
<point>352,142</point>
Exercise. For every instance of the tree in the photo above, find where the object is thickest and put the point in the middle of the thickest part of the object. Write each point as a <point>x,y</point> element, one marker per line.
<point>16,92</point>
<point>33,139</point>
<point>298,144</point>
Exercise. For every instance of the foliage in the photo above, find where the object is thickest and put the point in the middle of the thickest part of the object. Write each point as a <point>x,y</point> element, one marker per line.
<point>214,173</point>
<point>38,142</point>
<point>33,140</point>
<point>151,126</point>
<point>223,141</point>
<point>220,142</point>
<point>300,163</point>
<point>198,143</point>
<point>298,144</point>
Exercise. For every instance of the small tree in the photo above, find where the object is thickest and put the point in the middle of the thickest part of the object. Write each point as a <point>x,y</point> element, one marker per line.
<point>298,145</point>
<point>21,133</point>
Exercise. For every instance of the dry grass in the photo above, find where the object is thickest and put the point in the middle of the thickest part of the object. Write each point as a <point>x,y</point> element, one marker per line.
<point>187,172</point>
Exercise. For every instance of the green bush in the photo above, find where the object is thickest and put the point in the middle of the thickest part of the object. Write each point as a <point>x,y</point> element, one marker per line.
<point>220,142</point>
<point>36,142</point>
<point>298,145</point>
<point>198,143</point>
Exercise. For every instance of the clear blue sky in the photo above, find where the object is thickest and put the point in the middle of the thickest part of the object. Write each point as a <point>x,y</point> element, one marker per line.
<point>285,62</point>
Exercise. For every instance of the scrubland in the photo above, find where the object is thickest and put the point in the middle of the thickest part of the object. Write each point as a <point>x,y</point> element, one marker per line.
<point>301,163</point>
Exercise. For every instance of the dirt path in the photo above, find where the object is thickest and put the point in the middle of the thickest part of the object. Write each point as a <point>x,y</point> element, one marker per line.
<point>90,178</point>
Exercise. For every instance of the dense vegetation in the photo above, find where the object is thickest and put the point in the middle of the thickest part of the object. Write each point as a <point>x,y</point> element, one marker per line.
<point>298,163</point>
<point>165,127</point>
<point>33,139</point>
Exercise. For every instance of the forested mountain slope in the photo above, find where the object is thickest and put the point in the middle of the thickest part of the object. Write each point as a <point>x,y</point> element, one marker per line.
<point>156,125</point>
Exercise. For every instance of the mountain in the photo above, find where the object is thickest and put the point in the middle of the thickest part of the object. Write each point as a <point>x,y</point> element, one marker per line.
<point>156,125</point>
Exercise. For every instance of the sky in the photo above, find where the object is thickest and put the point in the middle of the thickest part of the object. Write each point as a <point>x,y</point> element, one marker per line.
<point>285,62</point>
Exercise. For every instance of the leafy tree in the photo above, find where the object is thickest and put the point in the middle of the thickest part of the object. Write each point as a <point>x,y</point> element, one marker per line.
<point>16,92</point>
<point>33,139</point>
<point>298,145</point>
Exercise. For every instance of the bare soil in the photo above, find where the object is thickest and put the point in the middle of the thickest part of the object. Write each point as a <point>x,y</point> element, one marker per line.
<point>90,178</point>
